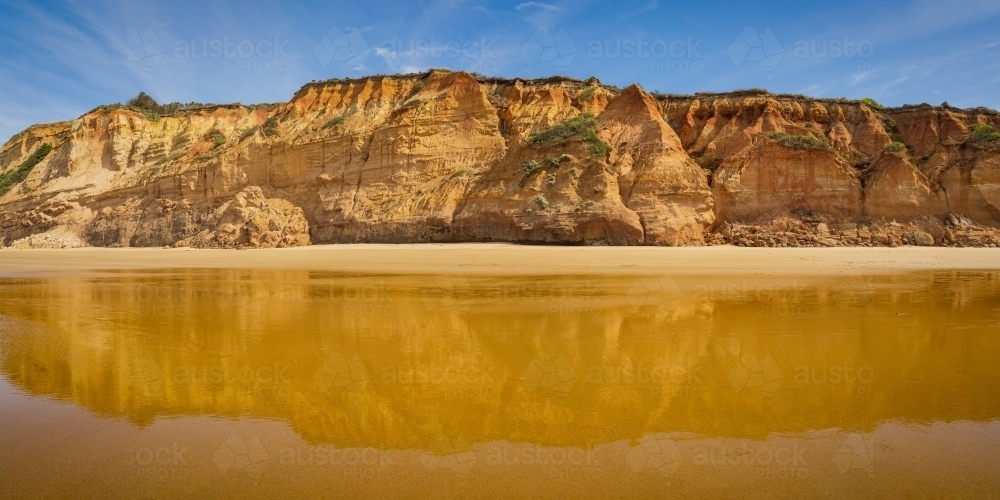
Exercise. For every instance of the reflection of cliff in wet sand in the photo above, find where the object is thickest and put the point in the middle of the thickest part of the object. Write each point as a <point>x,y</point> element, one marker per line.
<point>393,361</point>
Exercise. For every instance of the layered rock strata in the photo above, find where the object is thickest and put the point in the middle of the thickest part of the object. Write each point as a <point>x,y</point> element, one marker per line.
<point>447,156</point>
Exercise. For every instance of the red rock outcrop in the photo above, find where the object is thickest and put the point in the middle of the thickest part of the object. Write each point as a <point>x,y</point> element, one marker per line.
<point>897,190</point>
<point>657,179</point>
<point>972,185</point>
<point>771,177</point>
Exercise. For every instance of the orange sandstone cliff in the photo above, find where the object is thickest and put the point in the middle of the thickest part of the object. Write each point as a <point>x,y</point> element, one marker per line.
<point>446,156</point>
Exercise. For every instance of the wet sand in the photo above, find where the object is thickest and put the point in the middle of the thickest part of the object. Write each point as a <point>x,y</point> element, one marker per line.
<point>203,383</point>
<point>551,372</point>
<point>508,259</point>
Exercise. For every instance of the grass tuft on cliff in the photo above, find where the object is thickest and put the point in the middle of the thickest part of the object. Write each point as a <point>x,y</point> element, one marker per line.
<point>333,122</point>
<point>208,157</point>
<point>581,127</point>
<point>248,132</point>
<point>895,147</point>
<point>15,175</point>
<point>270,127</point>
<point>216,137</point>
<point>799,141</point>
<point>169,158</point>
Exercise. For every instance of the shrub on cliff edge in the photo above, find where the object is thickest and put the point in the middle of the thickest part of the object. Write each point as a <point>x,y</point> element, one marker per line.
<point>146,105</point>
<point>983,134</point>
<point>871,103</point>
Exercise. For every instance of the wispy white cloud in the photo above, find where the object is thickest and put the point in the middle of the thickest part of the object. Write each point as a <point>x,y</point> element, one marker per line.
<point>922,77</point>
<point>650,6</point>
<point>58,65</point>
<point>537,5</point>
<point>551,14</point>
<point>864,76</point>
<point>902,75</point>
<point>815,89</point>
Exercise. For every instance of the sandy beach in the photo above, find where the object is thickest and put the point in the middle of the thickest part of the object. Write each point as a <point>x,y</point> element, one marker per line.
<point>509,259</point>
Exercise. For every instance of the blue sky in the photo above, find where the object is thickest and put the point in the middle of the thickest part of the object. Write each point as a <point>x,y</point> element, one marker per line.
<point>60,59</point>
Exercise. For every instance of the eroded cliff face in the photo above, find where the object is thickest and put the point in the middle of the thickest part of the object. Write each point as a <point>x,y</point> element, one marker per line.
<point>771,178</point>
<point>897,190</point>
<point>444,156</point>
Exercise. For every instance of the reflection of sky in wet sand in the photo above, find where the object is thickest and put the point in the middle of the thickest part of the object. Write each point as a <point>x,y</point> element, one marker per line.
<point>457,381</point>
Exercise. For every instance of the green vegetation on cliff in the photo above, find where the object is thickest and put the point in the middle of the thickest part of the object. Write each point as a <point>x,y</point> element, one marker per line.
<point>217,138</point>
<point>15,175</point>
<point>798,141</point>
<point>583,127</point>
<point>983,134</point>
<point>871,103</point>
<point>333,122</point>
<point>895,147</point>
